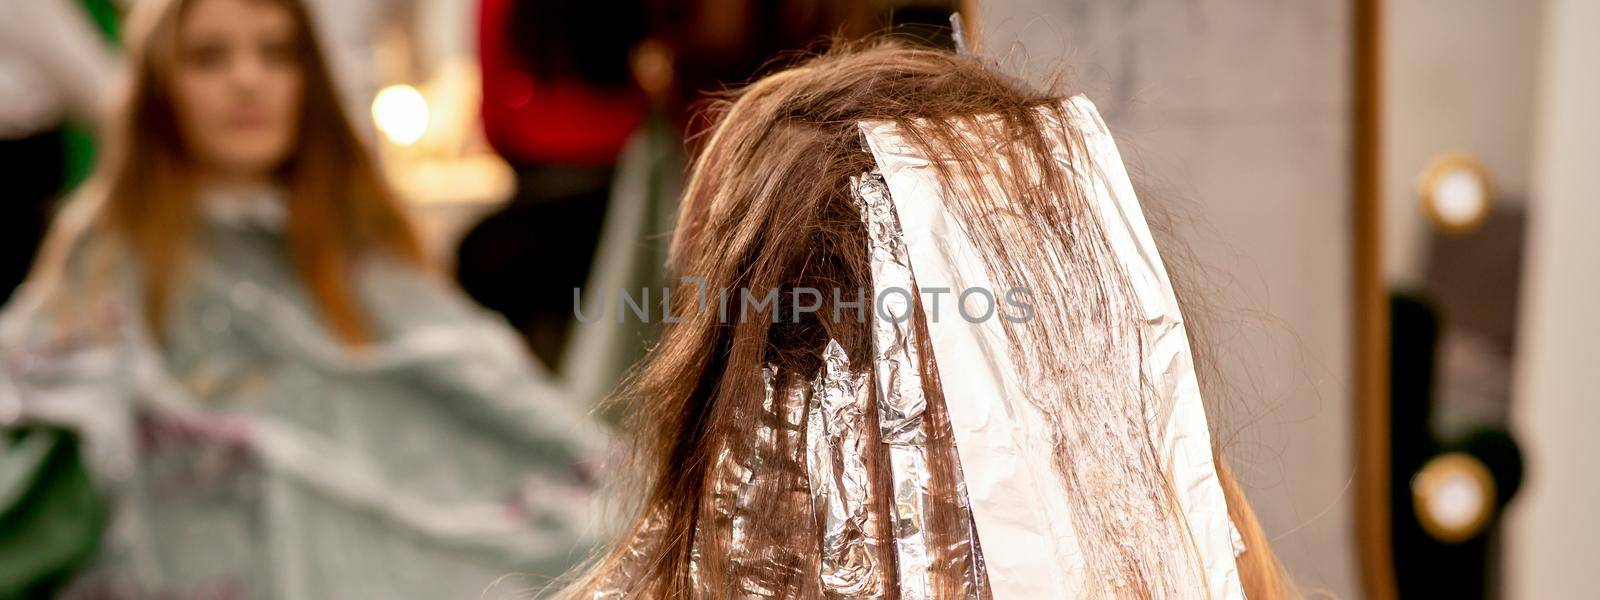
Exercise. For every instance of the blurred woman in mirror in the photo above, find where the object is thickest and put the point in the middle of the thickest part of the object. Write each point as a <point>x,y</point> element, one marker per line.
<point>278,395</point>
<point>829,449</point>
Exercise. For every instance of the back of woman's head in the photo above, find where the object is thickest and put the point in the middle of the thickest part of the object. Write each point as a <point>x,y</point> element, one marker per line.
<point>768,204</point>
<point>769,207</point>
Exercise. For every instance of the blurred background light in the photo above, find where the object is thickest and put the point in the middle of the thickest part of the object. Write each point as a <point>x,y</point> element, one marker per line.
<point>401,113</point>
<point>1455,193</point>
<point>1454,496</point>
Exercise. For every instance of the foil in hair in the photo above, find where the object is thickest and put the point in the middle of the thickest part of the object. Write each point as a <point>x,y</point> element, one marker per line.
<point>763,560</point>
<point>642,545</point>
<point>903,407</point>
<point>841,485</point>
<point>1083,439</point>
<point>897,373</point>
<point>1091,476</point>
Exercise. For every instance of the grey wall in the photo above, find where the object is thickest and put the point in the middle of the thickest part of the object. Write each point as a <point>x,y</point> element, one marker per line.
<point>1237,114</point>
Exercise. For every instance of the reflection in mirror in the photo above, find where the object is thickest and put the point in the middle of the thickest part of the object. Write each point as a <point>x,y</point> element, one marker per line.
<point>1458,116</point>
<point>1455,193</point>
<point>1454,496</point>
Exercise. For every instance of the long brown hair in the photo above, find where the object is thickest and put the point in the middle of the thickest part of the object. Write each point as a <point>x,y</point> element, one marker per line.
<point>145,195</point>
<point>768,206</point>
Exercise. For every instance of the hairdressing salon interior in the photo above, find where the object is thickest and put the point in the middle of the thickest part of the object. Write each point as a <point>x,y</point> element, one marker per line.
<point>1386,214</point>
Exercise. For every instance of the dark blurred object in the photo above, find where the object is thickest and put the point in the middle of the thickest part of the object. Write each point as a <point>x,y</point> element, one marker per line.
<point>926,22</point>
<point>576,39</point>
<point>723,44</point>
<point>1475,278</point>
<point>34,169</point>
<point>728,42</point>
<point>1472,282</point>
<point>559,104</point>
<point>51,516</point>
<point>1500,453</point>
<point>1440,557</point>
<point>718,45</point>
<point>525,259</point>
<point>54,151</point>
<point>1418,557</point>
<point>1414,333</point>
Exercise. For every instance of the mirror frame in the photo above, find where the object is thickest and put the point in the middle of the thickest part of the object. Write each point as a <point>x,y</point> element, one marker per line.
<point>1370,347</point>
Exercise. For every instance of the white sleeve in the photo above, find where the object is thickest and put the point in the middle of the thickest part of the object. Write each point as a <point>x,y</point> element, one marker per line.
<point>53,52</point>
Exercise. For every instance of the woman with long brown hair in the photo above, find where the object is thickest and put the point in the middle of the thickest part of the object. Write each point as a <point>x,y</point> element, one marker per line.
<point>279,396</point>
<point>838,437</point>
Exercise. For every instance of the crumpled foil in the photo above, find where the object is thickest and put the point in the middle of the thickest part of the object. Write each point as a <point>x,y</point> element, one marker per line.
<point>841,487</point>
<point>903,405</point>
<point>897,372</point>
<point>759,565</point>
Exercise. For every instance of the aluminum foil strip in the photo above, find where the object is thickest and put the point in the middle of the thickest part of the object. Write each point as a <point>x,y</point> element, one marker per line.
<point>759,465</point>
<point>1016,504</point>
<point>641,547</point>
<point>841,487</point>
<point>731,473</point>
<point>902,405</point>
<point>766,467</point>
<point>1183,438</point>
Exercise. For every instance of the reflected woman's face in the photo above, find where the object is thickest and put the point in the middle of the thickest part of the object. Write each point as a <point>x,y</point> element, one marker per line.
<point>238,84</point>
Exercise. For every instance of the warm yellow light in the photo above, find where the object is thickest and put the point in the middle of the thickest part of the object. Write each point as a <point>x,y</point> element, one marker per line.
<point>401,113</point>
<point>1455,193</point>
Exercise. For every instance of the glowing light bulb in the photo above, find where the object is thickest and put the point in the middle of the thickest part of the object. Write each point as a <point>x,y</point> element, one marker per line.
<point>1455,193</point>
<point>1460,198</point>
<point>401,113</point>
<point>1453,495</point>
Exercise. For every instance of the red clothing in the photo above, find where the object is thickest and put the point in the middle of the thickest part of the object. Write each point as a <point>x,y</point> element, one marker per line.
<point>561,121</point>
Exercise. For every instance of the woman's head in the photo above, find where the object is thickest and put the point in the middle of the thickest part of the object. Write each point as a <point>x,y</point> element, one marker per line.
<point>237,82</point>
<point>768,206</point>
<point>229,88</point>
<point>237,92</point>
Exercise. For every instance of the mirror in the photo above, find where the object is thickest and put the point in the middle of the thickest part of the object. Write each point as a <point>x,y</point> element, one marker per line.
<point>1450,94</point>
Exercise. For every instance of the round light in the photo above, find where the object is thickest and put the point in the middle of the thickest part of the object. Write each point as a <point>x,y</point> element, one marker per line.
<point>1457,502</point>
<point>1453,495</point>
<point>401,113</point>
<point>1455,193</point>
<point>1460,198</point>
